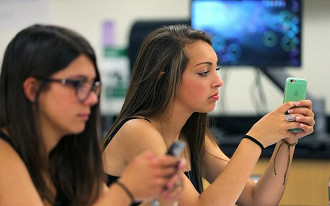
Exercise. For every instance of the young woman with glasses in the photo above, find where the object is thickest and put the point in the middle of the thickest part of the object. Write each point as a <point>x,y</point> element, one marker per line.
<point>50,151</point>
<point>174,84</point>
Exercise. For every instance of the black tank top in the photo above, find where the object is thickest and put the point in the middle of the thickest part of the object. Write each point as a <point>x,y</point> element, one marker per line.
<point>60,199</point>
<point>192,175</point>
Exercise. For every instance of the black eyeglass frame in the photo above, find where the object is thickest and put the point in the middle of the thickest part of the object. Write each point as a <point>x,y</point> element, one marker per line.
<point>76,84</point>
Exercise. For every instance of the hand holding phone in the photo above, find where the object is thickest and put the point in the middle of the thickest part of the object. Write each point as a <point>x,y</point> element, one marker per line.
<point>176,148</point>
<point>295,90</point>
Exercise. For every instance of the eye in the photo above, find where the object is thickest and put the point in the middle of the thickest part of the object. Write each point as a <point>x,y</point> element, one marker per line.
<point>218,68</point>
<point>79,83</point>
<point>203,74</point>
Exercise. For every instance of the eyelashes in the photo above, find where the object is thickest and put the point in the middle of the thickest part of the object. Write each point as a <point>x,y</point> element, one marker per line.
<point>205,73</point>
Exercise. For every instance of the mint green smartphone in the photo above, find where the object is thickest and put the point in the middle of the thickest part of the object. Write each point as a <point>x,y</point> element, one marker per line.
<point>295,90</point>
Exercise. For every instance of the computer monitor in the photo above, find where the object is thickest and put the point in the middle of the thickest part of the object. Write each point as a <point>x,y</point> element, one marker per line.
<point>261,33</point>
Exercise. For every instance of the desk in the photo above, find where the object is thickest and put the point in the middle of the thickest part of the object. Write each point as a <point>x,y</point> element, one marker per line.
<point>307,184</point>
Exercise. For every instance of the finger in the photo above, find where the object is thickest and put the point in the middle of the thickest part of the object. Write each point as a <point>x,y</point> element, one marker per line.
<point>305,130</point>
<point>172,195</point>
<point>306,120</point>
<point>301,110</point>
<point>286,106</point>
<point>290,105</point>
<point>168,172</point>
<point>304,103</point>
<point>167,161</point>
<point>181,166</point>
<point>173,182</point>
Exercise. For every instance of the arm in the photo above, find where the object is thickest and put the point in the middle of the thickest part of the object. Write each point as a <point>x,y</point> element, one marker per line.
<point>230,181</point>
<point>227,178</point>
<point>146,138</point>
<point>270,187</point>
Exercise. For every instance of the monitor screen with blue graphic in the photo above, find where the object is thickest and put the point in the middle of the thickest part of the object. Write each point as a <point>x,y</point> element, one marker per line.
<point>262,33</point>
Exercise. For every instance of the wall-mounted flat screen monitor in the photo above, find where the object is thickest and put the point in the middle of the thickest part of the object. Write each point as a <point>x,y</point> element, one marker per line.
<point>261,33</point>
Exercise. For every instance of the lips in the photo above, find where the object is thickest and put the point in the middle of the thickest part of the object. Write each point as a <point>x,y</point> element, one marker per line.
<point>84,116</point>
<point>215,96</point>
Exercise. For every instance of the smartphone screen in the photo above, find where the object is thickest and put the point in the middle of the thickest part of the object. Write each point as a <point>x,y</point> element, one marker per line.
<point>295,90</point>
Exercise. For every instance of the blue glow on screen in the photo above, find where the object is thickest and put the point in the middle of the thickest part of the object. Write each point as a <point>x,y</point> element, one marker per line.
<point>251,32</point>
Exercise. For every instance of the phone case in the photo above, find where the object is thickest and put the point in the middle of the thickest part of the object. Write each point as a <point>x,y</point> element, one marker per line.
<point>295,90</point>
<point>176,148</point>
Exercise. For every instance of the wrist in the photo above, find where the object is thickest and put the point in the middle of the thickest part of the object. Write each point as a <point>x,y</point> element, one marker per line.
<point>252,139</point>
<point>290,141</point>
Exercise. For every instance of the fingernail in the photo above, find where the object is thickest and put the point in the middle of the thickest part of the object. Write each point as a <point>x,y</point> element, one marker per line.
<point>290,111</point>
<point>298,118</point>
<point>297,103</point>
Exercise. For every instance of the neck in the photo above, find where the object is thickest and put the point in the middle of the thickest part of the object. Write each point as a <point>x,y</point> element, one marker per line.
<point>51,137</point>
<point>172,122</point>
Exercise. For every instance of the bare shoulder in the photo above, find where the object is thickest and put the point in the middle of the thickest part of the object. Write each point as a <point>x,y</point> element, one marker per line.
<point>138,135</point>
<point>16,186</point>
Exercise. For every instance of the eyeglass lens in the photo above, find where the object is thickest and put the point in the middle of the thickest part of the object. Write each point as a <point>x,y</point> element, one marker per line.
<point>84,88</point>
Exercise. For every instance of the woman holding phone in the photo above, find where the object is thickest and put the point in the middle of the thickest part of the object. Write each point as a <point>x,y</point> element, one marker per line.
<point>50,150</point>
<point>174,84</point>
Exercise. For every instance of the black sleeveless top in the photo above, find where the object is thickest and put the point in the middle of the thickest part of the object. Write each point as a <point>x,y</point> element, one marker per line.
<point>192,175</point>
<point>60,199</point>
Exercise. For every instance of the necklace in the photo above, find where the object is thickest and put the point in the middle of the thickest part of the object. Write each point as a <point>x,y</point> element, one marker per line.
<point>184,151</point>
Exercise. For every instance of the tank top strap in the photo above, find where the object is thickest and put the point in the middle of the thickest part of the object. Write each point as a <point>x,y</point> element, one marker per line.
<point>114,132</point>
<point>7,139</point>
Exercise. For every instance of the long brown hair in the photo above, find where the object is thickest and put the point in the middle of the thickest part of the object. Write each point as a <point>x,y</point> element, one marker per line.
<point>163,51</point>
<point>75,164</point>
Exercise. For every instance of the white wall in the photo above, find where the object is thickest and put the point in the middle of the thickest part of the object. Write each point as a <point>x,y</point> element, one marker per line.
<point>86,17</point>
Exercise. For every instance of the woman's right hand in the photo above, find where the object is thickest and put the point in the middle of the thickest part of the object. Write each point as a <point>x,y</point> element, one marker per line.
<point>146,176</point>
<point>273,127</point>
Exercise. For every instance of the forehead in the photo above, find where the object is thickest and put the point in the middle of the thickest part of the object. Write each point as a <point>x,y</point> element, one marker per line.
<point>81,66</point>
<point>200,51</point>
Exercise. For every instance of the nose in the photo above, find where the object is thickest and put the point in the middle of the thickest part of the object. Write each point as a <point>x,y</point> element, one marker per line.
<point>217,82</point>
<point>91,99</point>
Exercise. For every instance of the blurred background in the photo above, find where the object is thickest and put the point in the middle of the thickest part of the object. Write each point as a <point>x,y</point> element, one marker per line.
<point>247,93</point>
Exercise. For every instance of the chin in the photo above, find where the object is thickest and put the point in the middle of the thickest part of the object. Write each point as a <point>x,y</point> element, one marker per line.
<point>78,130</point>
<point>208,109</point>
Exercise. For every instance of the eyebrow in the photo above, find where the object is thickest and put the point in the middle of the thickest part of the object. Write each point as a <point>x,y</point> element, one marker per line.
<point>209,63</point>
<point>83,77</point>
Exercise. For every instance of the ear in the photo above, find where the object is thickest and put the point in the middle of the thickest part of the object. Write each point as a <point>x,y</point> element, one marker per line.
<point>160,75</point>
<point>30,87</point>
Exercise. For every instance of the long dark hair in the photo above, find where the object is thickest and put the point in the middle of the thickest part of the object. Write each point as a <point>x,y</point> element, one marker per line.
<point>75,164</point>
<point>163,50</point>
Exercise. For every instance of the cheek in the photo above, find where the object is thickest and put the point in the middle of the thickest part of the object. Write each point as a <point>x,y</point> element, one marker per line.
<point>56,107</point>
<point>194,89</point>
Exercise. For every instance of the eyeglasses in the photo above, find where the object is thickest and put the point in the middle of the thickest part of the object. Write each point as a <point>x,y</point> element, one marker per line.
<point>83,87</point>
